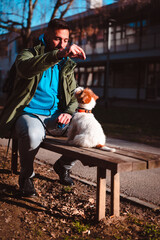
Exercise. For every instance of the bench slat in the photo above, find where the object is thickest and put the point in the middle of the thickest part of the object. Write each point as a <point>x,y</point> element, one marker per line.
<point>152,160</point>
<point>137,164</point>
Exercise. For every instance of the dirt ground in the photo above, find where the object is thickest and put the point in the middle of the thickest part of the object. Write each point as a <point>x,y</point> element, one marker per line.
<point>66,213</point>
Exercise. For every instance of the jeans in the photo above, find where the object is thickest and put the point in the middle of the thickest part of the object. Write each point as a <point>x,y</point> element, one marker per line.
<point>30,132</point>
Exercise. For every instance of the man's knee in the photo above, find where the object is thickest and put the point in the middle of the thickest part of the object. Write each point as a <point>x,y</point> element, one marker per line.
<point>35,137</point>
<point>29,132</point>
<point>31,138</point>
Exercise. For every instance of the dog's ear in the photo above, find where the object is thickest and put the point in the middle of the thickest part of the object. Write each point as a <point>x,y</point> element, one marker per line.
<point>78,91</point>
<point>93,95</point>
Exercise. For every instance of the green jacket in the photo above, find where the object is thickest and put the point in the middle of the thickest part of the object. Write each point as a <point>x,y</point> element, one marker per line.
<point>30,65</point>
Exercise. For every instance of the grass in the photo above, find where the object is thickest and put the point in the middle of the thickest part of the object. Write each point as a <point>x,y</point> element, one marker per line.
<point>133,124</point>
<point>79,227</point>
<point>149,231</point>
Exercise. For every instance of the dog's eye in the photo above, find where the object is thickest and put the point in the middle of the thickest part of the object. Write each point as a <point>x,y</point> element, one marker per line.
<point>78,94</point>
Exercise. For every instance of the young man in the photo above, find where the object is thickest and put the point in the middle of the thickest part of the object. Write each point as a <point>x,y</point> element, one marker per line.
<point>42,98</point>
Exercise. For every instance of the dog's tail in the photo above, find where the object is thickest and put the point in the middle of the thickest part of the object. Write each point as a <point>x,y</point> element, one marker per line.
<point>105,148</point>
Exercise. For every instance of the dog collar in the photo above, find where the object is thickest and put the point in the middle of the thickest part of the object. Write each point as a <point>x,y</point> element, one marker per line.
<point>83,110</point>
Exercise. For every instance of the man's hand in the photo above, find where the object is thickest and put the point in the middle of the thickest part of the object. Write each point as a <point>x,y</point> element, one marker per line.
<point>64,118</point>
<point>72,51</point>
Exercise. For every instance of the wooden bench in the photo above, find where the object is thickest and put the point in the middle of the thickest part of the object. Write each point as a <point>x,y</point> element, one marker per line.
<point>120,161</point>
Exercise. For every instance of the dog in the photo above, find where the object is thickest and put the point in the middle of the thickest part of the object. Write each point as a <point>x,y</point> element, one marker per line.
<point>84,129</point>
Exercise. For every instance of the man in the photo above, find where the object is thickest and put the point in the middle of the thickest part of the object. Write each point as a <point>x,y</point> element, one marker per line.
<point>42,98</point>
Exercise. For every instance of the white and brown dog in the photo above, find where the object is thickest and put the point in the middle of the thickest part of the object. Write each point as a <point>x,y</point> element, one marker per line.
<point>85,130</point>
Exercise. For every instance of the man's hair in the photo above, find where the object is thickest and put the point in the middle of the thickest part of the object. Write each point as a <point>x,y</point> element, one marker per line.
<point>57,23</point>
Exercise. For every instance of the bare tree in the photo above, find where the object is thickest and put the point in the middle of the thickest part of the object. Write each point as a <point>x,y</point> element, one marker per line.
<point>18,16</point>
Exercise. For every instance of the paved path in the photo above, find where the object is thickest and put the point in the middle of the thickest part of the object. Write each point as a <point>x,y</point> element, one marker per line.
<point>143,185</point>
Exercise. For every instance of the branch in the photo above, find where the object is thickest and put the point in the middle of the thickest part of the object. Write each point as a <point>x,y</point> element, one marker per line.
<point>10,14</point>
<point>11,29</point>
<point>65,2</point>
<point>10,26</point>
<point>30,15</point>
<point>58,4</point>
<point>68,6</point>
<point>24,9</point>
<point>11,22</point>
<point>34,4</point>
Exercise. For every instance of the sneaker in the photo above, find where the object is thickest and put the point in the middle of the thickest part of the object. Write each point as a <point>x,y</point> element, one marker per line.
<point>27,187</point>
<point>64,175</point>
<point>60,130</point>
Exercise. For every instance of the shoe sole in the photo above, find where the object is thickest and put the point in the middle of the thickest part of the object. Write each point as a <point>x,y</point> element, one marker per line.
<point>28,195</point>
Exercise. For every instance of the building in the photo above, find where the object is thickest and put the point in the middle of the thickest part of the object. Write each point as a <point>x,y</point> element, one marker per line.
<point>122,44</point>
<point>123,51</point>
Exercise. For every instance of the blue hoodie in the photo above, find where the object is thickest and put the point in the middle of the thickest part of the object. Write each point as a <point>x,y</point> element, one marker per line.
<point>45,101</point>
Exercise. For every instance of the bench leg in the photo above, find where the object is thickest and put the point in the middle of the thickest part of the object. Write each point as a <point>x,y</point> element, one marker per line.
<point>115,193</point>
<point>14,159</point>
<point>101,193</point>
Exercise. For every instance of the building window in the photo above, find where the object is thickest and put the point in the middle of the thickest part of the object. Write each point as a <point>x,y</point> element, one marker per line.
<point>127,36</point>
<point>90,76</point>
<point>89,79</point>
<point>95,79</point>
<point>82,79</point>
<point>153,81</point>
<point>127,75</point>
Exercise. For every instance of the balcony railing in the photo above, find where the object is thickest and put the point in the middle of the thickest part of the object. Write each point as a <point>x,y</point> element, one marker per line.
<point>131,43</point>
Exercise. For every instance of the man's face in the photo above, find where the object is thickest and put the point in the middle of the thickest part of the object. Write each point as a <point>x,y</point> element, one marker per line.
<point>57,39</point>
